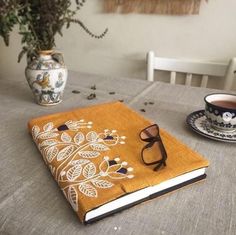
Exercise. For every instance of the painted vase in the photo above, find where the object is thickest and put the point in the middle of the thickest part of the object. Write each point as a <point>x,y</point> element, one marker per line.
<point>47,75</point>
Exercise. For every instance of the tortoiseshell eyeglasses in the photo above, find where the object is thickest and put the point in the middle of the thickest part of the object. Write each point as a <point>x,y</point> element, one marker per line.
<point>154,151</point>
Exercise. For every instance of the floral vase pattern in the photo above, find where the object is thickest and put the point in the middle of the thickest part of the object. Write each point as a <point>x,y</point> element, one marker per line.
<point>47,75</point>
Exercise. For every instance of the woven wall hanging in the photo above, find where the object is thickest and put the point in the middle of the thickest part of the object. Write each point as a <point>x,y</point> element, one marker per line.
<point>171,7</point>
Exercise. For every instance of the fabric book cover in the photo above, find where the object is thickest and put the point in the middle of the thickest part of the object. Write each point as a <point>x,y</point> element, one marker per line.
<point>94,154</point>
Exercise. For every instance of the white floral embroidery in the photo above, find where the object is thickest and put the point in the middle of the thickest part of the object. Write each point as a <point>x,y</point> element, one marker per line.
<point>91,136</point>
<point>48,126</point>
<point>76,125</point>
<point>48,142</point>
<point>76,175</point>
<point>79,138</point>
<point>52,169</point>
<point>51,153</point>
<point>49,130</point>
<point>65,137</point>
<point>89,154</point>
<point>65,152</point>
<point>88,190</point>
<point>89,170</point>
<point>73,198</point>
<point>83,175</point>
<point>90,146</point>
<point>35,131</point>
<point>74,172</point>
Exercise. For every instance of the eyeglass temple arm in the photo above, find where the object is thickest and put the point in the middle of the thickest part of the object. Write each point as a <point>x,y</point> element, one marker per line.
<point>163,151</point>
<point>164,156</point>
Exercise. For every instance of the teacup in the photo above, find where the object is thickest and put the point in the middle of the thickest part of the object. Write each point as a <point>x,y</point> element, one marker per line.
<point>220,111</point>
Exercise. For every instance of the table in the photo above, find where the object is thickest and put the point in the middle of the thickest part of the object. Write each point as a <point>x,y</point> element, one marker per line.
<point>31,202</point>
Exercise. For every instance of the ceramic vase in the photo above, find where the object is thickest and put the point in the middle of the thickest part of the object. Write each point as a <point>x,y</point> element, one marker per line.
<point>46,75</point>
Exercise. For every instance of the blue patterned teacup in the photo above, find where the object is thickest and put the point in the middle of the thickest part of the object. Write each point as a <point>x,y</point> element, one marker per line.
<point>220,111</point>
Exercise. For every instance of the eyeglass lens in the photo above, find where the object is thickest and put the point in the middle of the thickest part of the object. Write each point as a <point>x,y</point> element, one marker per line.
<point>152,153</point>
<point>151,131</point>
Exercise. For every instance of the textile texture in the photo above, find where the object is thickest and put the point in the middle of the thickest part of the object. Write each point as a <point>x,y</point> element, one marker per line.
<point>31,202</point>
<point>94,154</point>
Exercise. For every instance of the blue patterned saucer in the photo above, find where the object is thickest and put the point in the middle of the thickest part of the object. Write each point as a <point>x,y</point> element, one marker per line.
<point>198,123</point>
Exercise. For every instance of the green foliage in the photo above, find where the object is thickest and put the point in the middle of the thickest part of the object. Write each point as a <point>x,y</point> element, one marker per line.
<point>8,18</point>
<point>39,22</point>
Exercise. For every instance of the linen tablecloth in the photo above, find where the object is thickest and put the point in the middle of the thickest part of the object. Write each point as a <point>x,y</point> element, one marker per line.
<point>32,203</point>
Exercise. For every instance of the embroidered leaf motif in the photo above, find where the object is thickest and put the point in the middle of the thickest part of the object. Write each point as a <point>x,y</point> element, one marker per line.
<point>80,161</point>
<point>35,131</point>
<point>64,192</point>
<point>48,126</point>
<point>102,183</point>
<point>48,135</point>
<point>89,170</point>
<point>88,190</point>
<point>65,137</point>
<point>65,152</point>
<point>99,147</point>
<point>89,154</point>
<point>74,172</point>
<point>43,151</point>
<point>68,122</point>
<point>52,169</point>
<point>91,136</point>
<point>79,138</point>
<point>72,197</point>
<point>51,153</point>
<point>73,125</point>
<point>48,142</point>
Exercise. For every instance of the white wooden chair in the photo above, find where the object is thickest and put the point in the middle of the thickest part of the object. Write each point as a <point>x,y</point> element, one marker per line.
<point>205,69</point>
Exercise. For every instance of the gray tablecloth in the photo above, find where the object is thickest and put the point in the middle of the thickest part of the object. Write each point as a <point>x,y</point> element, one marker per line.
<point>32,203</point>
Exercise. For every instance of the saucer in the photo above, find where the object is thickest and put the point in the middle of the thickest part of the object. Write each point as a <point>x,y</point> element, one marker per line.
<point>198,123</point>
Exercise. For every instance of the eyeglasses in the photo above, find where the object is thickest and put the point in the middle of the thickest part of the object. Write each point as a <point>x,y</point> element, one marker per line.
<point>154,151</point>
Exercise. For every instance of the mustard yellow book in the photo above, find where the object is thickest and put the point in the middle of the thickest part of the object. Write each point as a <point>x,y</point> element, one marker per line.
<point>94,154</point>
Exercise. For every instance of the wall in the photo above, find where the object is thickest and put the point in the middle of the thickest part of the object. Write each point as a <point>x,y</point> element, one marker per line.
<point>209,36</point>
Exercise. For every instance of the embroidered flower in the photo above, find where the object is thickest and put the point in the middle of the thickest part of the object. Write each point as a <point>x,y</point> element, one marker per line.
<point>115,169</point>
<point>74,125</point>
<point>110,137</point>
<point>76,173</point>
<point>84,178</point>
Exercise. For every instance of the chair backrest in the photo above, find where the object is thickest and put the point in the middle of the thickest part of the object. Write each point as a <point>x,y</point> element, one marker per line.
<point>205,69</point>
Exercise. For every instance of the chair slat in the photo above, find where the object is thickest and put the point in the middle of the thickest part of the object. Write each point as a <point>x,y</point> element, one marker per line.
<point>204,81</point>
<point>188,80</point>
<point>150,66</point>
<point>191,68</point>
<point>173,77</point>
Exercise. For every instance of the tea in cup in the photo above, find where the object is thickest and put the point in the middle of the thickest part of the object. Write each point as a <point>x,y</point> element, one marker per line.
<point>220,111</point>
